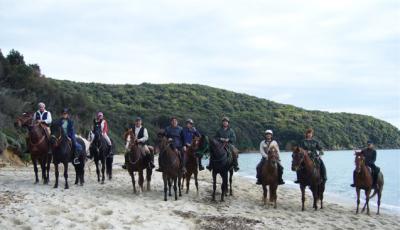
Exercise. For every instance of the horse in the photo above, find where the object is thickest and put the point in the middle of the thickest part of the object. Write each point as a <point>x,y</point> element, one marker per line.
<point>309,175</point>
<point>192,164</point>
<point>363,180</point>
<point>171,164</point>
<point>100,152</point>
<point>38,145</point>
<point>136,162</point>
<point>270,177</point>
<point>221,164</point>
<point>80,168</point>
<point>62,151</point>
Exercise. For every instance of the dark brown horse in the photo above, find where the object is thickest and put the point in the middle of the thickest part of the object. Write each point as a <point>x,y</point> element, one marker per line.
<point>363,180</point>
<point>171,165</point>
<point>137,162</point>
<point>221,164</point>
<point>270,177</point>
<point>38,145</point>
<point>192,164</point>
<point>309,175</point>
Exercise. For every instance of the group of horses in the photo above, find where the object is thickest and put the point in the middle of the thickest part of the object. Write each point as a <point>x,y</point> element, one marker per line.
<point>61,152</point>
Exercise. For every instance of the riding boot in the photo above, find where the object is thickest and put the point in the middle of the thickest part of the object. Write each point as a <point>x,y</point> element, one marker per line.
<point>375,171</point>
<point>126,160</point>
<point>183,157</point>
<point>354,179</point>
<point>235,164</point>
<point>151,160</point>
<point>159,165</point>
<point>280,174</point>
<point>201,168</point>
<point>297,179</point>
<point>75,154</point>
<point>323,170</point>
<point>258,170</point>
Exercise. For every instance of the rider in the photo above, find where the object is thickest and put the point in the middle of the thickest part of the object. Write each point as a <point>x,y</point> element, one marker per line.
<point>101,124</point>
<point>370,158</point>
<point>188,133</point>
<point>265,146</point>
<point>43,117</point>
<point>67,125</point>
<point>312,146</point>
<point>174,133</point>
<point>227,135</point>
<point>142,136</point>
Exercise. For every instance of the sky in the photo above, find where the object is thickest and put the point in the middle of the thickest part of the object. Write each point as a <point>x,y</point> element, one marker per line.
<point>337,56</point>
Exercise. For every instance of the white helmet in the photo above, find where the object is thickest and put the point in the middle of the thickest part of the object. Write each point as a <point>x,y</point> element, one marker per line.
<point>268,131</point>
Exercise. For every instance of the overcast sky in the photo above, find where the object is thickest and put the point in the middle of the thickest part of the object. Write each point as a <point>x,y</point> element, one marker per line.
<point>339,56</point>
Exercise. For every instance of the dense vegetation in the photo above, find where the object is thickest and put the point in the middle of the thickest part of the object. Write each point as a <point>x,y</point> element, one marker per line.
<point>22,86</point>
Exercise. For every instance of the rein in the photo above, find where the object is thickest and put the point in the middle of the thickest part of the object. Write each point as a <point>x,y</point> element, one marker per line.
<point>39,142</point>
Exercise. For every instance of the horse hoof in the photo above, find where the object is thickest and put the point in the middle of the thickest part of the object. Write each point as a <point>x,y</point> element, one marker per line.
<point>102,182</point>
<point>36,182</point>
<point>165,199</point>
<point>66,187</point>
<point>55,186</point>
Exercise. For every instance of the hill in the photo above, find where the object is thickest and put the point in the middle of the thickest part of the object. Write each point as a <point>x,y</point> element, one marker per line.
<point>23,85</point>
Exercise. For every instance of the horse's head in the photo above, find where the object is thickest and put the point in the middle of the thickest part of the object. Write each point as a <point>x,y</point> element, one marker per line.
<point>273,155</point>
<point>161,141</point>
<point>297,158</point>
<point>359,161</point>
<point>97,136</point>
<point>25,120</point>
<point>196,142</point>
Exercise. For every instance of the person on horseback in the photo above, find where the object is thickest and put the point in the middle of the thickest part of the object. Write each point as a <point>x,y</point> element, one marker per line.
<point>188,133</point>
<point>265,146</point>
<point>101,125</point>
<point>227,135</point>
<point>43,117</point>
<point>67,125</point>
<point>142,136</point>
<point>174,133</point>
<point>370,158</point>
<point>315,151</point>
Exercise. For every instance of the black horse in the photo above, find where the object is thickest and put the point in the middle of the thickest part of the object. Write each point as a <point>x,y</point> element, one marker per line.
<point>62,151</point>
<point>101,152</point>
<point>80,168</point>
<point>221,163</point>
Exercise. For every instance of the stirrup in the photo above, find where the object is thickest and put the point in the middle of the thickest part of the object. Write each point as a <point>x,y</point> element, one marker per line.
<point>296,182</point>
<point>353,185</point>
<point>76,161</point>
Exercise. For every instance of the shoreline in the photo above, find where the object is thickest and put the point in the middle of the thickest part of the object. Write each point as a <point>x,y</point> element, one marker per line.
<point>113,205</point>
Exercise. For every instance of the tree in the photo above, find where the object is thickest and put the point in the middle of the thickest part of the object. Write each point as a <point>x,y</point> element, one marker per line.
<point>15,58</point>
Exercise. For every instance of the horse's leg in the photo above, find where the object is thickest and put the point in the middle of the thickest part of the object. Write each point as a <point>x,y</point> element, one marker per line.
<point>358,199</point>
<point>48,163</point>
<point>169,186</point>
<point>303,196</point>
<point>230,182</point>
<point>103,168</point>
<point>82,173</point>
<point>224,185</point>
<point>214,176</point>
<point>165,186</point>
<point>321,194</point>
<point>76,174</point>
<point>367,194</point>
<point>265,193</point>
<point>132,174</point>
<point>183,179</point>
<point>56,174</point>
<point>187,175</point>
<point>43,167</point>
<point>66,174</point>
<point>109,162</point>
<point>175,188</point>
<point>96,162</point>
<point>35,168</point>
<point>274,195</point>
<point>379,198</point>
<point>141,180</point>
<point>148,178</point>
<point>196,183</point>
<point>315,196</point>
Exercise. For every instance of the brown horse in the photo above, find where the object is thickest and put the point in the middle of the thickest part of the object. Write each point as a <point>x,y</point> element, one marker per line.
<point>309,175</point>
<point>270,177</point>
<point>38,145</point>
<point>136,162</point>
<point>171,165</point>
<point>192,164</point>
<point>363,180</point>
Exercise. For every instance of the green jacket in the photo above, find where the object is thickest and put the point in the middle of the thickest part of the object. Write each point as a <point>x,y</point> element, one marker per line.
<point>312,146</point>
<point>226,133</point>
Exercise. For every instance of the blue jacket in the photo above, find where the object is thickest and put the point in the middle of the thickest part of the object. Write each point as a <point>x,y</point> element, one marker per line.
<point>176,134</point>
<point>188,135</point>
<point>70,132</point>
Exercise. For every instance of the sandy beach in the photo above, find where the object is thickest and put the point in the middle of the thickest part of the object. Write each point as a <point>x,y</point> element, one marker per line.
<point>113,205</point>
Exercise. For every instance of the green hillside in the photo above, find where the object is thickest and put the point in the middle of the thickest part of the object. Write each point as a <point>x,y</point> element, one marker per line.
<point>22,86</point>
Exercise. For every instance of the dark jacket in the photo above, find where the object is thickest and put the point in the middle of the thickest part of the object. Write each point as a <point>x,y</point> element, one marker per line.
<point>370,156</point>
<point>188,135</point>
<point>226,133</point>
<point>312,146</point>
<point>176,134</point>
